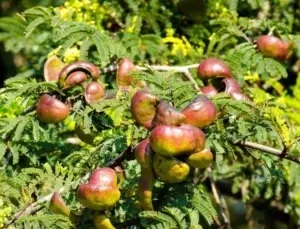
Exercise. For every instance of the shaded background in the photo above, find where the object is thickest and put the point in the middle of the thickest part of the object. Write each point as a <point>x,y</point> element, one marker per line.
<point>8,8</point>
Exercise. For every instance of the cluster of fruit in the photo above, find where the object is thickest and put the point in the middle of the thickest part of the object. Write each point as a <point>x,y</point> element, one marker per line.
<point>5,213</point>
<point>176,141</point>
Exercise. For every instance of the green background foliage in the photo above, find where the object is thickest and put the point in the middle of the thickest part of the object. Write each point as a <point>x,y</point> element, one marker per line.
<point>37,159</point>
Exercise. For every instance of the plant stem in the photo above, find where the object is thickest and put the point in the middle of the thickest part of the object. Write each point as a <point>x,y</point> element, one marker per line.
<point>269,150</point>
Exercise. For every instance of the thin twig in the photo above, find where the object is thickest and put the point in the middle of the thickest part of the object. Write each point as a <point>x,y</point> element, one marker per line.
<point>182,69</point>
<point>190,77</point>
<point>269,150</point>
<point>218,201</point>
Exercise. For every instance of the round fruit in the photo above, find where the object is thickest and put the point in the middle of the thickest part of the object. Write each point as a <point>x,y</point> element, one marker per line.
<point>101,192</point>
<point>272,46</point>
<point>174,141</point>
<point>201,112</point>
<point>94,92</point>
<point>51,110</point>
<point>213,67</point>
<point>170,170</point>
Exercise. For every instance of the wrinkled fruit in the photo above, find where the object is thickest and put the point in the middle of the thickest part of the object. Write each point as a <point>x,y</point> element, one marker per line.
<point>102,221</point>
<point>170,170</point>
<point>168,115</point>
<point>58,205</point>
<point>274,47</point>
<point>52,68</point>
<point>201,112</point>
<point>143,106</point>
<point>51,110</point>
<point>101,192</point>
<point>200,159</point>
<point>175,141</point>
<point>213,67</point>
<point>94,92</point>
<point>83,66</point>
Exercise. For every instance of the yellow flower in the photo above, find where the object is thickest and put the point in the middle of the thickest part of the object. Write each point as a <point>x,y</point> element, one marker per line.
<point>133,25</point>
<point>178,44</point>
<point>54,52</point>
<point>251,77</point>
<point>71,55</point>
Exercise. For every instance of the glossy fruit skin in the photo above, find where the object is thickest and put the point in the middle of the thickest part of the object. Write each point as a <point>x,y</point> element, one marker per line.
<point>175,141</point>
<point>233,89</point>
<point>209,91</point>
<point>58,205</point>
<point>102,221</point>
<point>213,67</point>
<point>144,156</point>
<point>201,159</point>
<point>51,110</point>
<point>83,66</point>
<point>170,170</point>
<point>143,106</point>
<point>201,112</point>
<point>94,92</point>
<point>200,136</point>
<point>167,115</point>
<point>75,78</point>
<point>52,68</point>
<point>274,47</point>
<point>101,192</point>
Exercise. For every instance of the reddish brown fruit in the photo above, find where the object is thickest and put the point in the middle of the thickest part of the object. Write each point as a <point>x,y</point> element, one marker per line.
<point>213,67</point>
<point>274,47</point>
<point>201,159</point>
<point>94,92</point>
<point>51,110</point>
<point>209,91</point>
<point>175,141</point>
<point>58,205</point>
<point>143,106</point>
<point>168,115</point>
<point>83,66</point>
<point>201,112</point>
<point>200,136</point>
<point>75,78</point>
<point>101,192</point>
<point>52,68</point>
<point>144,155</point>
<point>233,89</point>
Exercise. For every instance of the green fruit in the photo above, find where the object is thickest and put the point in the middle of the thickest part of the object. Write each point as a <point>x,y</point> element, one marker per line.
<point>102,221</point>
<point>101,192</point>
<point>143,106</point>
<point>58,206</point>
<point>175,141</point>
<point>168,115</point>
<point>170,170</point>
<point>51,110</point>
<point>86,138</point>
<point>201,159</point>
